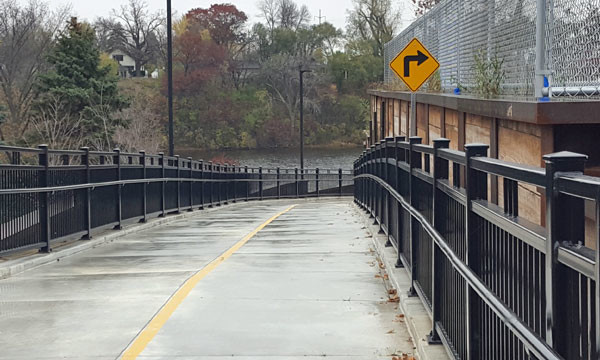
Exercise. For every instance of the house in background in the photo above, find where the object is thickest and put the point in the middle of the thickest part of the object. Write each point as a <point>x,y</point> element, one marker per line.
<point>126,64</point>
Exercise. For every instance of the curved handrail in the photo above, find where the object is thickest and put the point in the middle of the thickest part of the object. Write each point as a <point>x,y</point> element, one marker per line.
<point>529,338</point>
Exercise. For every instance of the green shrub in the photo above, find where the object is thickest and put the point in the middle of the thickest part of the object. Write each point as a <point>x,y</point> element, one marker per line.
<point>489,75</point>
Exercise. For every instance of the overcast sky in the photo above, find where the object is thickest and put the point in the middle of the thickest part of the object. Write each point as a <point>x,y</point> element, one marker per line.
<point>334,11</point>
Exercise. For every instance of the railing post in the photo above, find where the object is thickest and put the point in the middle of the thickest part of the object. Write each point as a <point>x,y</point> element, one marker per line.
<point>475,189</point>
<point>220,183</point>
<point>228,183</point>
<point>161,162</point>
<point>260,183</point>
<point>247,184</point>
<point>145,185</point>
<point>178,176</point>
<point>372,169</point>
<point>440,171</point>
<point>389,145</point>
<point>202,185</point>
<point>85,161</point>
<point>400,156</point>
<point>597,276</point>
<point>225,186</point>
<point>378,190</point>
<point>228,177</point>
<point>191,167</point>
<point>44,198</point>
<point>296,180</point>
<point>387,207</point>
<point>414,159</point>
<point>211,184</point>
<point>278,183</point>
<point>117,162</point>
<point>317,181</point>
<point>340,181</point>
<point>235,183</point>
<point>565,222</point>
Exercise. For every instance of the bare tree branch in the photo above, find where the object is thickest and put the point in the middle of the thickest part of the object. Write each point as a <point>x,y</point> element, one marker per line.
<point>138,37</point>
<point>26,34</point>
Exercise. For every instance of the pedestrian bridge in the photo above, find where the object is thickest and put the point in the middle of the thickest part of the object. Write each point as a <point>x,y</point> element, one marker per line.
<point>261,280</point>
<point>298,274</point>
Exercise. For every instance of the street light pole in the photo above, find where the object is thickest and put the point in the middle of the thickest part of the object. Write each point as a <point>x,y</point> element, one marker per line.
<point>170,79</point>
<point>302,71</point>
<point>301,122</point>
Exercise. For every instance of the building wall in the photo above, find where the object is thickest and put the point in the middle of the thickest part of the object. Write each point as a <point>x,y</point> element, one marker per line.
<point>509,140</point>
<point>127,60</point>
<point>510,137</point>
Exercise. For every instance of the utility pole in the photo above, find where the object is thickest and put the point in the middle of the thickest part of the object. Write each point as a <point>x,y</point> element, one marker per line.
<point>170,79</point>
<point>320,17</point>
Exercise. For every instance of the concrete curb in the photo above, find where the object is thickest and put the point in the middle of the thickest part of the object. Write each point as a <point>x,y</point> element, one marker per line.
<point>416,316</point>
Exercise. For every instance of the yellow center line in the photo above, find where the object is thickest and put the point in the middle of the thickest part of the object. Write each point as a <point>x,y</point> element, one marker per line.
<point>159,320</point>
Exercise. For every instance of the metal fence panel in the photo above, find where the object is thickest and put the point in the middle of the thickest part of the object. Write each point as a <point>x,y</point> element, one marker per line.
<point>455,30</point>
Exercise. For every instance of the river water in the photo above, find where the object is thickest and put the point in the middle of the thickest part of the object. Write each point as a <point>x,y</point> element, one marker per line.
<point>322,158</point>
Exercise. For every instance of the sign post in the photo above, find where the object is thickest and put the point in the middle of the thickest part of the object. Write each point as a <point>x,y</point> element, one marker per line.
<point>414,65</point>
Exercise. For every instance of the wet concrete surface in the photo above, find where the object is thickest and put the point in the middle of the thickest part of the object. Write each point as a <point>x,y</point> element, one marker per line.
<point>304,287</point>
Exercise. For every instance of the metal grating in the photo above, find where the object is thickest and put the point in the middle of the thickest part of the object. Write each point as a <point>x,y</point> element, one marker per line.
<point>455,30</point>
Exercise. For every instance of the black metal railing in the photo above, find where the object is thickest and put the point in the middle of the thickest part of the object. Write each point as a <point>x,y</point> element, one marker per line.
<point>48,196</point>
<point>496,285</point>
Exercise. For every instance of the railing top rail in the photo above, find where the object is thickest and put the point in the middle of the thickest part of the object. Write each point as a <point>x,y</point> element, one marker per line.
<point>403,145</point>
<point>578,185</point>
<point>453,155</point>
<point>529,339</point>
<point>170,161</point>
<point>422,148</point>
<point>51,189</point>
<point>20,149</point>
<point>66,152</point>
<point>519,172</point>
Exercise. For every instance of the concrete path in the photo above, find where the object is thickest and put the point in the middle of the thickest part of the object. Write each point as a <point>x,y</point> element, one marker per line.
<point>305,286</point>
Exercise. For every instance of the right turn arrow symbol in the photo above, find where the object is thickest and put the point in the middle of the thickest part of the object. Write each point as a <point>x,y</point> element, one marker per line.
<point>419,58</point>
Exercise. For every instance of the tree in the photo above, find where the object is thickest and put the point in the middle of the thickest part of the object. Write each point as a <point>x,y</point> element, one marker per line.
<point>224,22</point>
<point>329,37</point>
<point>373,20</point>
<point>268,10</point>
<point>109,33</point>
<point>353,73</point>
<point>280,74</point>
<point>56,126</point>
<point>143,130</point>
<point>284,14</point>
<point>26,35</point>
<point>85,90</point>
<point>197,53</point>
<point>424,5</point>
<point>290,16</point>
<point>138,37</point>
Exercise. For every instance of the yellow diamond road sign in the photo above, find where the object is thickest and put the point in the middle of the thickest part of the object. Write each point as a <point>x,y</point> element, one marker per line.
<point>414,65</point>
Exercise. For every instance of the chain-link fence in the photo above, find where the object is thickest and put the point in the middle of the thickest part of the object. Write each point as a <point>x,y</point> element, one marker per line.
<point>455,30</point>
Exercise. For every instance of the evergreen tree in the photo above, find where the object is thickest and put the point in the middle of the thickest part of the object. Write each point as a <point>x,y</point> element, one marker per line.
<point>87,91</point>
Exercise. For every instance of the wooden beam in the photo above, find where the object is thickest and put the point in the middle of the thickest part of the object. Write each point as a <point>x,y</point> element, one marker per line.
<point>443,122</point>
